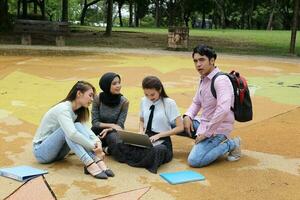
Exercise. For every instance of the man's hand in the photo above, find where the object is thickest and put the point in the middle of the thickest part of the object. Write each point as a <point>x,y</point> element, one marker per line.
<point>188,125</point>
<point>199,138</point>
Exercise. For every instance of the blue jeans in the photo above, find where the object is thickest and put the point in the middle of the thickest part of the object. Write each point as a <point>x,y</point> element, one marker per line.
<point>57,146</point>
<point>209,149</point>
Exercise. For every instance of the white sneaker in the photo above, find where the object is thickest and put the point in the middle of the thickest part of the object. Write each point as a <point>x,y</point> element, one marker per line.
<point>236,153</point>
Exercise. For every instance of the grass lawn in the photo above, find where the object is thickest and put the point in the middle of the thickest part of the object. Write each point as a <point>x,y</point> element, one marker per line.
<point>257,42</point>
<point>252,42</point>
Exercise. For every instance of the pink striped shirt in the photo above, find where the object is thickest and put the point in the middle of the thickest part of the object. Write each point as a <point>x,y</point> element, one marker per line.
<point>216,117</point>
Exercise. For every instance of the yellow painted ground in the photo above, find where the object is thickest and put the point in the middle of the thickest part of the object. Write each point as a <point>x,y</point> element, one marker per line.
<point>269,169</point>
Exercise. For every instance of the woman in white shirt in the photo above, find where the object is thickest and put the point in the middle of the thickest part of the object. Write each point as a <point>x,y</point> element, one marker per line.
<point>158,113</point>
<point>62,128</point>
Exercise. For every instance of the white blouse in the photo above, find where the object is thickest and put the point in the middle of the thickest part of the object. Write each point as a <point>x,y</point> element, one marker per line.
<point>164,115</point>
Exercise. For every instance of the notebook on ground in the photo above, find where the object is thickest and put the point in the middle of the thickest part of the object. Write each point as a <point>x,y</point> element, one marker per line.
<point>137,139</point>
<point>182,177</point>
<point>21,173</point>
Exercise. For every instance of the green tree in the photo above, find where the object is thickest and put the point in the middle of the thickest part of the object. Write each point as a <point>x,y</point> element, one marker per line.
<point>86,5</point>
<point>294,27</point>
<point>175,12</point>
<point>141,10</point>
<point>286,12</point>
<point>221,9</point>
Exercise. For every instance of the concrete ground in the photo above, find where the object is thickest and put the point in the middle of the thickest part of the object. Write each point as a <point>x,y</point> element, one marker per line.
<point>269,168</point>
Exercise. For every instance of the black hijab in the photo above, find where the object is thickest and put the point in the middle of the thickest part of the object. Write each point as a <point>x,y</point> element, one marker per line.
<point>106,96</point>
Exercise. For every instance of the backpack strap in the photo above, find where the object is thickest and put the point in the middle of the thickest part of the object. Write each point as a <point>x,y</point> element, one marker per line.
<point>212,86</point>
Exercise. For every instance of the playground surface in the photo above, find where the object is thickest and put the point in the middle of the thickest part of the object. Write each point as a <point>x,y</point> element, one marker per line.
<point>269,168</point>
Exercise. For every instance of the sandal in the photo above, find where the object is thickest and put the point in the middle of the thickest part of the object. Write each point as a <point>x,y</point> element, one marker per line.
<point>107,171</point>
<point>97,173</point>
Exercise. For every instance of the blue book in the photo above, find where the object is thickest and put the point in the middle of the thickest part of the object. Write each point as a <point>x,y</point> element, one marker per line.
<point>21,173</point>
<point>182,177</point>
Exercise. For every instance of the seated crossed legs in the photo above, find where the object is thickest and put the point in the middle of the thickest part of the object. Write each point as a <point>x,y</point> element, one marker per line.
<point>58,145</point>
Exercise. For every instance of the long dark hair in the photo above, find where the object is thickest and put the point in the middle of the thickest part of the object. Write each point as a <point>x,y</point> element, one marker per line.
<point>152,82</point>
<point>82,113</point>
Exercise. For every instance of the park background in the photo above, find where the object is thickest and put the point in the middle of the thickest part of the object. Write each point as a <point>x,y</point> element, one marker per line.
<point>253,37</point>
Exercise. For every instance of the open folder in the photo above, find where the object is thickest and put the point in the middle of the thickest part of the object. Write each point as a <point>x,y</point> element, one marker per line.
<point>182,177</point>
<point>21,173</point>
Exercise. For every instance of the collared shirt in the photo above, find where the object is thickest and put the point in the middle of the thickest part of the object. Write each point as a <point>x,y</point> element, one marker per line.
<point>216,117</point>
<point>165,113</point>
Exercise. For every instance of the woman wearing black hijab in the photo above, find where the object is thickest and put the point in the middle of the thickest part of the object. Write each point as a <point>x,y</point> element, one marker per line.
<point>109,110</point>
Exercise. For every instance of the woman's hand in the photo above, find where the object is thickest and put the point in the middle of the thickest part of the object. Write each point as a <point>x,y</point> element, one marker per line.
<point>104,132</point>
<point>116,127</point>
<point>98,150</point>
<point>154,138</point>
<point>142,131</point>
<point>100,155</point>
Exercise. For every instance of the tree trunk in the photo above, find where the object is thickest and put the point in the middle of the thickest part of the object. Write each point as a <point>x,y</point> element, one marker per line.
<point>203,24</point>
<point>294,27</point>
<point>157,13</point>
<point>18,8</point>
<point>83,13</point>
<point>3,14</point>
<point>136,17</point>
<point>109,12</point>
<point>84,10</point>
<point>250,15</point>
<point>223,21</point>
<point>120,14</point>
<point>42,7</point>
<point>130,14</point>
<point>24,9</point>
<point>221,7</point>
<point>243,15</point>
<point>172,14</point>
<point>65,13</point>
<point>35,7</point>
<point>287,18</point>
<point>187,18</point>
<point>270,22</point>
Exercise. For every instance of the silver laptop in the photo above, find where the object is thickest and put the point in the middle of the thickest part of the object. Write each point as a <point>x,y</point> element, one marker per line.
<point>137,139</point>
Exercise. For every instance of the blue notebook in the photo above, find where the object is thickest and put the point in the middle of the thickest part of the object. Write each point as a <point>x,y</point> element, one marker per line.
<point>21,173</point>
<point>182,177</point>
